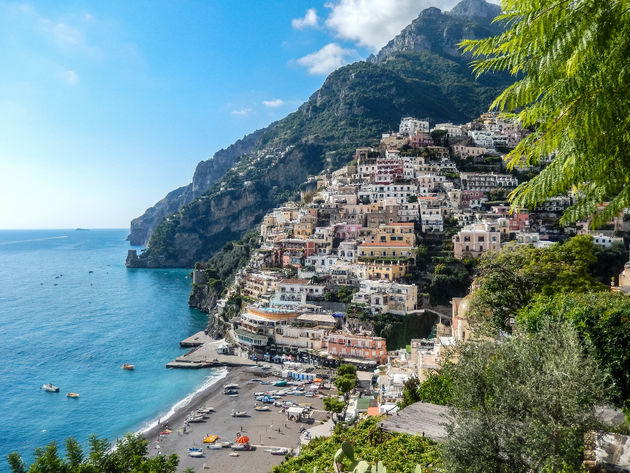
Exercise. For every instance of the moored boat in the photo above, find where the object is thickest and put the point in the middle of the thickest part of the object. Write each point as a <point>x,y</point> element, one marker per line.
<point>74,395</point>
<point>128,366</point>
<point>50,387</point>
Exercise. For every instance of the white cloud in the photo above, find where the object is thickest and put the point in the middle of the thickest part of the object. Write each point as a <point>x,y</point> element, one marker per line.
<point>327,59</point>
<point>70,77</point>
<point>243,112</point>
<point>273,103</point>
<point>310,20</point>
<point>372,23</point>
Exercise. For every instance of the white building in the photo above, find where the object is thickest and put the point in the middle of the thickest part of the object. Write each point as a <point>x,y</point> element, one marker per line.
<point>410,125</point>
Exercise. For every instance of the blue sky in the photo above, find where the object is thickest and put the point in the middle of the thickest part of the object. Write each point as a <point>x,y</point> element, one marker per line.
<point>106,106</point>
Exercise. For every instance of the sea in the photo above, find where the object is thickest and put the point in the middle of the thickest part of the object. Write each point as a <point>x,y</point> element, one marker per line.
<point>71,314</point>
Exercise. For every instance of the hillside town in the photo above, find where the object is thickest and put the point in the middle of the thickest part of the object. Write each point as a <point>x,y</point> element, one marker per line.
<point>351,253</point>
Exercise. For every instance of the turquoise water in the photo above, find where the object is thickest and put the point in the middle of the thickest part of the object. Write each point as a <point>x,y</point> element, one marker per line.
<point>60,323</point>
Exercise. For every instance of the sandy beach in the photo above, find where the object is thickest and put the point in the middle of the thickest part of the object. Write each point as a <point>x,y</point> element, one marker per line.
<point>265,429</point>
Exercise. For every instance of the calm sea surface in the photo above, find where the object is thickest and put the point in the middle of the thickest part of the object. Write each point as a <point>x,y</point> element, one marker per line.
<point>72,314</point>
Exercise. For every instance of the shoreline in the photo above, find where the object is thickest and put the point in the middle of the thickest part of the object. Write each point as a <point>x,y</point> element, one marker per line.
<point>266,429</point>
<point>179,410</point>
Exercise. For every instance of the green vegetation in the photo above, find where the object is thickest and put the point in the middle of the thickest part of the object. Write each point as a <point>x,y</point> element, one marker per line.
<point>342,294</point>
<point>603,322</point>
<point>436,389</point>
<point>221,268</point>
<point>346,380</point>
<point>570,61</point>
<point>399,453</point>
<point>523,404</point>
<point>509,279</point>
<point>397,330</point>
<point>334,405</point>
<point>129,456</point>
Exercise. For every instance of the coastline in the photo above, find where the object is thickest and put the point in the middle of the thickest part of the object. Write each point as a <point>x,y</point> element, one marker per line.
<point>265,429</point>
<point>179,410</point>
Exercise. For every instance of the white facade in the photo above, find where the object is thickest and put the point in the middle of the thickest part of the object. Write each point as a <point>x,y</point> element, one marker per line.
<point>410,125</point>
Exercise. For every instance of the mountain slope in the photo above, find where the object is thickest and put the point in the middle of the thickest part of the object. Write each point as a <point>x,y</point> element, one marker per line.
<point>415,74</point>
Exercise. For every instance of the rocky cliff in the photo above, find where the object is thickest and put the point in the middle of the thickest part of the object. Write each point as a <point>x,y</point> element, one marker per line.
<point>206,174</point>
<point>418,74</point>
<point>440,32</point>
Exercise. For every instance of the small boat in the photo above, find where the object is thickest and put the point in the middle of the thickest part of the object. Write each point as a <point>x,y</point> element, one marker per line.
<point>210,439</point>
<point>196,419</point>
<point>230,392</point>
<point>262,408</point>
<point>234,454</point>
<point>214,446</point>
<point>205,410</point>
<point>128,366</point>
<point>280,383</point>
<point>231,386</point>
<point>225,444</point>
<point>239,413</point>
<point>74,395</point>
<point>195,452</point>
<point>50,387</point>
<point>242,446</point>
<point>278,451</point>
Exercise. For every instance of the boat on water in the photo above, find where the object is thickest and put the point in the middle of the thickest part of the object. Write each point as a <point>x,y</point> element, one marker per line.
<point>128,366</point>
<point>195,452</point>
<point>239,413</point>
<point>74,395</point>
<point>50,387</point>
<point>262,408</point>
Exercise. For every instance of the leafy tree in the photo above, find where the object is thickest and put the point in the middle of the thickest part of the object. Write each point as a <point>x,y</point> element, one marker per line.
<point>334,405</point>
<point>400,453</point>
<point>345,384</point>
<point>410,392</point>
<point>508,279</point>
<point>570,61</point>
<point>603,322</point>
<point>347,369</point>
<point>437,388</point>
<point>523,404</point>
<point>129,456</point>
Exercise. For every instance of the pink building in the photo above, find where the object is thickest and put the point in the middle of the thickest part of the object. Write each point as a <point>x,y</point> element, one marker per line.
<point>346,345</point>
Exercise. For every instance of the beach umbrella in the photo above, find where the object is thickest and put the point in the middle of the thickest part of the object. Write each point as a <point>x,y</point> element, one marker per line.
<point>242,439</point>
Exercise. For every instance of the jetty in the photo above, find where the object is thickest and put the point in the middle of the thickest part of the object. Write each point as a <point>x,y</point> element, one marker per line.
<point>204,354</point>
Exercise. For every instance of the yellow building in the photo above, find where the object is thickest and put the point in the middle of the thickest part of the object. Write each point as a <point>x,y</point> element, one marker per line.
<point>390,270</point>
<point>389,249</point>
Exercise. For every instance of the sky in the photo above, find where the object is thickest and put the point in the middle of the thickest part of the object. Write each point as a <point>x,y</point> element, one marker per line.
<point>106,106</point>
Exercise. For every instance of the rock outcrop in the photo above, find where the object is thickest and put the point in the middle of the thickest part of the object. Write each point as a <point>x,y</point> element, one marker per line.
<point>440,32</point>
<point>206,174</point>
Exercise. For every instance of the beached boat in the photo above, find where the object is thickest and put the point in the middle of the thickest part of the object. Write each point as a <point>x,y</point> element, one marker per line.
<point>210,439</point>
<point>278,451</point>
<point>231,386</point>
<point>262,408</point>
<point>225,444</point>
<point>205,410</point>
<point>50,387</point>
<point>230,392</point>
<point>196,419</point>
<point>234,454</point>
<point>195,452</point>
<point>239,413</point>
<point>214,446</point>
<point>74,395</point>
<point>242,447</point>
<point>128,366</point>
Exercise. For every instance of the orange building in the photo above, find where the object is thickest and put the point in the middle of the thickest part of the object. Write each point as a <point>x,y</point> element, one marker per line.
<point>346,345</point>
